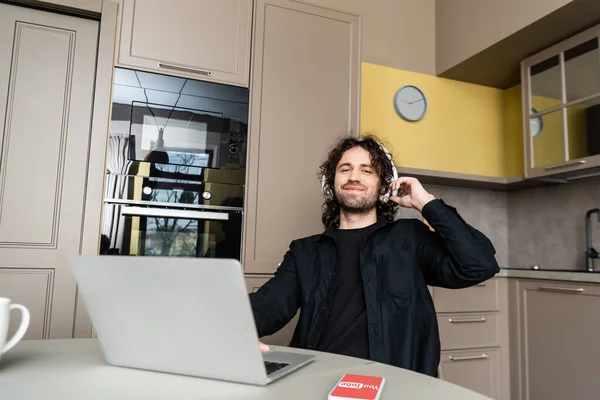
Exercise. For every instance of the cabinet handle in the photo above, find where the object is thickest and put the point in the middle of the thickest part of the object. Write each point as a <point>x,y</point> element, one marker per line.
<point>569,164</point>
<point>185,69</point>
<point>560,289</point>
<point>466,358</point>
<point>464,321</point>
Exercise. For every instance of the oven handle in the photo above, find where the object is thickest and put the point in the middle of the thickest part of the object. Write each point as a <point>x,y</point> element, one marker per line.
<point>170,205</point>
<point>170,213</point>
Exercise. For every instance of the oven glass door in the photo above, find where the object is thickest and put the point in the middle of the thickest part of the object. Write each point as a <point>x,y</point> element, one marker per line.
<point>168,232</point>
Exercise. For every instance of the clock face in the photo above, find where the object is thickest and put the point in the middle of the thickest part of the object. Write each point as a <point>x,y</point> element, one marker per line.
<point>410,103</point>
<point>535,124</point>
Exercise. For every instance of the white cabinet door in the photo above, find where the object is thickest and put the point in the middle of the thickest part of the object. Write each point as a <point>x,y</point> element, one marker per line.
<point>199,39</point>
<point>304,95</point>
<point>47,70</point>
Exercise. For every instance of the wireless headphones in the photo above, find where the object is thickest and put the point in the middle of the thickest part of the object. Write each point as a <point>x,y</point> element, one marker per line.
<point>386,196</point>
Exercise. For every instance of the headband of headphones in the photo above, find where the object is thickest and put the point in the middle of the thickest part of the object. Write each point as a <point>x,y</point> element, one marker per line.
<point>386,196</point>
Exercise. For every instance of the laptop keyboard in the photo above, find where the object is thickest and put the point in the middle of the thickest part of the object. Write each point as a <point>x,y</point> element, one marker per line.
<point>273,366</point>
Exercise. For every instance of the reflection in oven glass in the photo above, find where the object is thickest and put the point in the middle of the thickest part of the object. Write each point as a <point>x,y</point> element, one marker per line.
<point>171,195</point>
<point>215,234</point>
<point>173,237</point>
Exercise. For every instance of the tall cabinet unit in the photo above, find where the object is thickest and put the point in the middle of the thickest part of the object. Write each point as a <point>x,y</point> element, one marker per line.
<point>47,72</point>
<point>302,65</point>
<point>304,95</point>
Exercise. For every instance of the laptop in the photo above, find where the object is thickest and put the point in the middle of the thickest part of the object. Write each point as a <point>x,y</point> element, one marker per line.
<point>183,316</point>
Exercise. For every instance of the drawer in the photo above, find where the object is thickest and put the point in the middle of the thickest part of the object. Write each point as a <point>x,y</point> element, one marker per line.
<point>464,331</point>
<point>283,337</point>
<point>477,370</point>
<point>481,297</point>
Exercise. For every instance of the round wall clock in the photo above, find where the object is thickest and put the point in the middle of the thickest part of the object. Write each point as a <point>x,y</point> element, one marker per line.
<point>410,103</point>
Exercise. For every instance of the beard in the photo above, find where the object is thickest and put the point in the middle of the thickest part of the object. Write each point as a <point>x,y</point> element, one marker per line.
<point>356,202</point>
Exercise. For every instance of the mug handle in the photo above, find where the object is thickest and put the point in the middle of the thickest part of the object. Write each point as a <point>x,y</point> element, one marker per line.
<point>25,317</point>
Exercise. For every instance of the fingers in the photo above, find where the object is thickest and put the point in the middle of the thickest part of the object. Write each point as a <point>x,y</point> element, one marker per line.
<point>395,199</point>
<point>405,179</point>
<point>402,201</point>
<point>402,182</point>
<point>263,347</point>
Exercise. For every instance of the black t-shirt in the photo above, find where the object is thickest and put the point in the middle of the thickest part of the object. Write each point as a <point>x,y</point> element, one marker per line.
<point>345,331</point>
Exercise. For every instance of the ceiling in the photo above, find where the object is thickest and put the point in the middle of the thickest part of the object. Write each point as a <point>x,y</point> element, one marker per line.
<point>499,65</point>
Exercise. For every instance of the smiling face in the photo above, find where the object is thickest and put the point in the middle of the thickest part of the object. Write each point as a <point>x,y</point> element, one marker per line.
<point>356,183</point>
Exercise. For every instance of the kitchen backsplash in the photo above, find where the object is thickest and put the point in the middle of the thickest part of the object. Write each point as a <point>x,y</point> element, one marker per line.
<point>547,225</point>
<point>485,210</point>
<point>544,226</point>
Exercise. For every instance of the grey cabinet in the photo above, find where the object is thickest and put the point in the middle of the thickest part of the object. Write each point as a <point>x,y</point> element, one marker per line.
<point>207,40</point>
<point>304,95</point>
<point>473,326</point>
<point>556,350</point>
<point>477,370</point>
<point>561,108</point>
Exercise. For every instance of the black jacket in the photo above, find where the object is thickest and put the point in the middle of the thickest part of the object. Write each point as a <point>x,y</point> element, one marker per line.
<point>399,259</point>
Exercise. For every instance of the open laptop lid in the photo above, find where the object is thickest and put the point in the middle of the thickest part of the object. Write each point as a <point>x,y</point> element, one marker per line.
<point>178,315</point>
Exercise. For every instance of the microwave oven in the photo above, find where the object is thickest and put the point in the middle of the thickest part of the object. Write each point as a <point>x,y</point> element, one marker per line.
<point>174,127</point>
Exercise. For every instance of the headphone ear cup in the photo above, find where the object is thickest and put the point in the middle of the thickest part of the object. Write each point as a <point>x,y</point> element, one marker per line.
<point>394,177</point>
<point>385,198</point>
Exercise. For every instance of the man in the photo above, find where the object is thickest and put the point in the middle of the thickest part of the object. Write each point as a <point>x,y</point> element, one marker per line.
<point>361,285</point>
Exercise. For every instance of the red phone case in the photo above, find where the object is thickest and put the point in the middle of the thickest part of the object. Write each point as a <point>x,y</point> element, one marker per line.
<point>357,387</point>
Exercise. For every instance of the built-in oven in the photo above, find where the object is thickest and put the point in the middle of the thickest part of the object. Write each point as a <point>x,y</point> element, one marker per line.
<point>158,217</point>
<point>175,168</point>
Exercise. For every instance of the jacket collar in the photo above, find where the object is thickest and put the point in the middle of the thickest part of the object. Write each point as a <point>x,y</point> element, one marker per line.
<point>329,232</point>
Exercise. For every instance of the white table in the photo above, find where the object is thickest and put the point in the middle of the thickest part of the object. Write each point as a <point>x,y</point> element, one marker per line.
<point>76,369</point>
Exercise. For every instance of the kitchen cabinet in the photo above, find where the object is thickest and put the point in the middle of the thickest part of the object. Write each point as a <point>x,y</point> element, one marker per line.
<point>561,97</point>
<point>207,40</point>
<point>283,337</point>
<point>481,297</point>
<point>304,95</point>
<point>48,66</point>
<point>477,370</point>
<point>556,349</point>
<point>473,325</point>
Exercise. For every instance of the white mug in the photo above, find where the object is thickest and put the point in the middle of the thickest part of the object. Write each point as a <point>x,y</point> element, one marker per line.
<point>5,308</point>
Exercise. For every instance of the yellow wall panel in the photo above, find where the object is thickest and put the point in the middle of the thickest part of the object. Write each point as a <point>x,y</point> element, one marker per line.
<point>463,130</point>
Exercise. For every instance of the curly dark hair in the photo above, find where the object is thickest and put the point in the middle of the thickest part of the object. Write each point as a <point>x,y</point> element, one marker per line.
<point>381,164</point>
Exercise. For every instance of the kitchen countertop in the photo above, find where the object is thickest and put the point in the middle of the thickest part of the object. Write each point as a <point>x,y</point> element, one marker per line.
<point>556,275</point>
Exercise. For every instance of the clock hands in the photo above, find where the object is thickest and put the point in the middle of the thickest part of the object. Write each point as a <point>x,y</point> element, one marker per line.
<point>411,102</point>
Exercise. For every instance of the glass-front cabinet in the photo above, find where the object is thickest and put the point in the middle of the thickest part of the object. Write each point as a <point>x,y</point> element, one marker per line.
<point>561,107</point>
